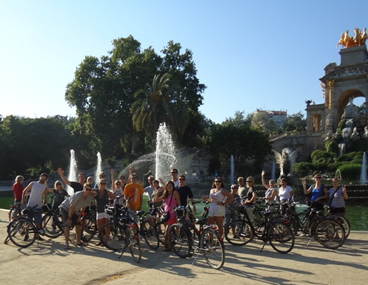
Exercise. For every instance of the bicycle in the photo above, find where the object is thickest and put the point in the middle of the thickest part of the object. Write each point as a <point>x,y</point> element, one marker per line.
<point>14,211</point>
<point>89,224</point>
<point>312,222</point>
<point>276,231</point>
<point>22,231</point>
<point>190,236</point>
<point>52,222</point>
<point>121,232</point>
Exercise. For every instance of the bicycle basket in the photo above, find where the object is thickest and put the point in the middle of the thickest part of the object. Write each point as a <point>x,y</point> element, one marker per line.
<point>180,212</point>
<point>46,208</point>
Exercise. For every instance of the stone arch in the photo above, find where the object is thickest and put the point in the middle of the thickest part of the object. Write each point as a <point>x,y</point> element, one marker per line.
<point>344,98</point>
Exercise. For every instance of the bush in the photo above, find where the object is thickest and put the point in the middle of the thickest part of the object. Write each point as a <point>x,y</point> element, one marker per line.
<point>302,169</point>
<point>350,171</point>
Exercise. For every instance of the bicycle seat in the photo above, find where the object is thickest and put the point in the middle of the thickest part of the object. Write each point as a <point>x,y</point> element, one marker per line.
<point>201,221</point>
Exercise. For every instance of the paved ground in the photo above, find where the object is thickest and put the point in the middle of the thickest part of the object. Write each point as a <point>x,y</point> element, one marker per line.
<point>48,263</point>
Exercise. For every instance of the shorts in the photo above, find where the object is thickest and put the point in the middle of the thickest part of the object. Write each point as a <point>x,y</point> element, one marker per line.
<point>216,211</point>
<point>65,216</point>
<point>37,216</point>
<point>103,215</point>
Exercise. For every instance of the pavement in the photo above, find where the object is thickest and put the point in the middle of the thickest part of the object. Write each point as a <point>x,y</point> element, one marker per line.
<point>47,262</point>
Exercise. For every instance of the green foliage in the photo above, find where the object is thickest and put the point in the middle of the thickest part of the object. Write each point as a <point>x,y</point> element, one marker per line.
<point>350,171</point>
<point>302,169</point>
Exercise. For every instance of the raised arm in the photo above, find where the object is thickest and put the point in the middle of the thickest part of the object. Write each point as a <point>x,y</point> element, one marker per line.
<point>264,180</point>
<point>61,174</point>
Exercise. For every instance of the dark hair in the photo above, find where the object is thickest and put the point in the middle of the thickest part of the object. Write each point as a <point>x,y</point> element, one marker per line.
<point>214,183</point>
<point>166,193</point>
<point>44,174</point>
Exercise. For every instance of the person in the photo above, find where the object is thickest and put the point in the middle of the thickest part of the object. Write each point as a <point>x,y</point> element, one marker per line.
<point>319,192</point>
<point>90,180</point>
<point>37,199</point>
<point>77,186</point>
<point>150,188</point>
<point>133,193</point>
<point>59,194</point>
<point>185,192</point>
<point>172,200</point>
<point>241,184</point>
<point>157,194</point>
<point>286,193</point>
<point>18,191</point>
<point>174,175</point>
<point>72,210</point>
<point>270,193</point>
<point>218,199</point>
<point>101,176</point>
<point>337,197</point>
<point>232,209</point>
<point>118,192</point>
<point>102,196</point>
<point>249,196</point>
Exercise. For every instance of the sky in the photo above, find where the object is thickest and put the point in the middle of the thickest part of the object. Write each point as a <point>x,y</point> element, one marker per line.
<point>251,55</point>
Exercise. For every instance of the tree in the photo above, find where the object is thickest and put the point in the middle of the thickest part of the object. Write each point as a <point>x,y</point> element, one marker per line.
<point>295,123</point>
<point>159,103</point>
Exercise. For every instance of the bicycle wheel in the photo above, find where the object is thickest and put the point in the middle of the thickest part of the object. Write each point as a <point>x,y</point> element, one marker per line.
<point>180,241</point>
<point>239,232</point>
<point>150,235</point>
<point>22,232</point>
<point>134,245</point>
<point>213,248</point>
<point>89,228</point>
<point>345,223</point>
<point>52,225</point>
<point>280,236</point>
<point>113,237</point>
<point>329,233</point>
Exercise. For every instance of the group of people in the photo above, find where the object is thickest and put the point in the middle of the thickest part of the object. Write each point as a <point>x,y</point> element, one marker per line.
<point>224,205</point>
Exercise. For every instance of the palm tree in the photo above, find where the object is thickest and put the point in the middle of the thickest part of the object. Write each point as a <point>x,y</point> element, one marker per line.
<point>159,103</point>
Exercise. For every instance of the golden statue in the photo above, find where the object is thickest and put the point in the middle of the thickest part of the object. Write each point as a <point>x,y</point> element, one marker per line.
<point>359,38</point>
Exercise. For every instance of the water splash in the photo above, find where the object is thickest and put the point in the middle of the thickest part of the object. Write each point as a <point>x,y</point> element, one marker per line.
<point>165,157</point>
<point>338,174</point>
<point>98,168</point>
<point>72,171</point>
<point>363,173</point>
<point>232,169</point>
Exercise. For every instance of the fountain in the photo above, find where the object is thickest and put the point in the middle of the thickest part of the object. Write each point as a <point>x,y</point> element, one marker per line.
<point>232,169</point>
<point>273,172</point>
<point>363,173</point>
<point>165,156</point>
<point>98,168</point>
<point>338,174</point>
<point>72,171</point>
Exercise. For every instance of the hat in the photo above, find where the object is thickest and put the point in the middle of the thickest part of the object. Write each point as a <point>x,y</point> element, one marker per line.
<point>234,186</point>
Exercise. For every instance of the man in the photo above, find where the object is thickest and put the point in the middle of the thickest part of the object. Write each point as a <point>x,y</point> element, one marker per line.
<point>185,192</point>
<point>174,175</point>
<point>72,210</point>
<point>38,190</point>
<point>101,176</point>
<point>241,186</point>
<point>133,193</point>
<point>77,186</point>
<point>149,189</point>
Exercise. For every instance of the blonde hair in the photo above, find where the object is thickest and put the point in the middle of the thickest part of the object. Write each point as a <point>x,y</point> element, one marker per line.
<point>19,178</point>
<point>56,182</point>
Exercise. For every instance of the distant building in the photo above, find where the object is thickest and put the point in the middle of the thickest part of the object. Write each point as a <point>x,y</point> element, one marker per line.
<point>278,117</point>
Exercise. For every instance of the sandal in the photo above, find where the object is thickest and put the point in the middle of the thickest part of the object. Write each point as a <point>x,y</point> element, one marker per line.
<point>81,244</point>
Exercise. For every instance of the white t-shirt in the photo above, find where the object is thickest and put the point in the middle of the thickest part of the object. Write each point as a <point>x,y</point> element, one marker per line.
<point>284,193</point>
<point>36,195</point>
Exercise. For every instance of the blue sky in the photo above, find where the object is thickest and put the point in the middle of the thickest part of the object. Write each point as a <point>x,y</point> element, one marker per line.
<point>250,54</point>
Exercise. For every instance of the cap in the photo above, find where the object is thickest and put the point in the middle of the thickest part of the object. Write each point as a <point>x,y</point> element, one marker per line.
<point>234,186</point>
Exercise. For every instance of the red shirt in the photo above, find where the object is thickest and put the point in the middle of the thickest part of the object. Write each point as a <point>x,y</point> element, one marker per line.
<point>18,190</point>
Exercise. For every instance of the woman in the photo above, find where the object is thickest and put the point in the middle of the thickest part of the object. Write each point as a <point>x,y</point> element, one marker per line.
<point>157,193</point>
<point>59,194</point>
<point>18,190</point>
<point>286,193</point>
<point>337,197</point>
<point>172,200</point>
<point>118,192</point>
<point>219,198</point>
<point>270,193</point>
<point>318,190</point>
<point>249,196</point>
<point>102,196</point>
<point>232,209</point>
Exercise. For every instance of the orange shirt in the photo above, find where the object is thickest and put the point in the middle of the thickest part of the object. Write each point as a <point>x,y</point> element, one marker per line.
<point>135,191</point>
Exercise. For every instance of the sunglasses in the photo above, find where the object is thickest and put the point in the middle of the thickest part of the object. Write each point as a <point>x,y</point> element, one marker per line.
<point>88,189</point>
<point>103,183</point>
<point>249,181</point>
<point>218,181</point>
<point>181,179</point>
